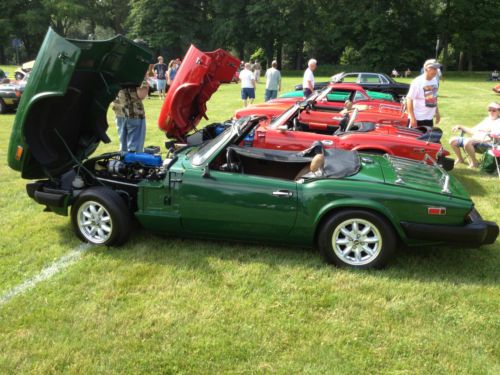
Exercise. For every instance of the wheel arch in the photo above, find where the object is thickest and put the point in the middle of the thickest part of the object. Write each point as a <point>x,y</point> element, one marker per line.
<point>372,207</point>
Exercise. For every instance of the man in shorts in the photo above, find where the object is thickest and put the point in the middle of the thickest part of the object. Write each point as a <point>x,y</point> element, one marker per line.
<point>160,70</point>
<point>247,80</point>
<point>422,98</point>
<point>479,135</point>
<point>273,82</point>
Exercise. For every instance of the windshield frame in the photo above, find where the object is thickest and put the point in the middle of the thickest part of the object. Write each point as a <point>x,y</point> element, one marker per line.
<point>211,147</point>
<point>285,116</point>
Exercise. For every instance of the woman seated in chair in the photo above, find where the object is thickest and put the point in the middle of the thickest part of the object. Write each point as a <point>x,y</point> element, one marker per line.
<point>479,136</point>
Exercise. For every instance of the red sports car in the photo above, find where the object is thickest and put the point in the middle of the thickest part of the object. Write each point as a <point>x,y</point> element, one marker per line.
<point>200,75</point>
<point>332,99</point>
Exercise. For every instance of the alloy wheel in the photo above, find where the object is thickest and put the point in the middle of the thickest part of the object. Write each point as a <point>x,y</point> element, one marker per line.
<point>94,222</point>
<point>356,241</point>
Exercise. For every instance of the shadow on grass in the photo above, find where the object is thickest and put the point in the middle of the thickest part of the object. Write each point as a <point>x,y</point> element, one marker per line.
<point>446,264</point>
<point>469,178</point>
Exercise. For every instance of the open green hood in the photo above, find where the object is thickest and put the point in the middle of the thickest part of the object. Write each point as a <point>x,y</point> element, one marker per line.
<point>62,114</point>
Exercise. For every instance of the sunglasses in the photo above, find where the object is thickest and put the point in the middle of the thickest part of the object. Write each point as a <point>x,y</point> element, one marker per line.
<point>492,110</point>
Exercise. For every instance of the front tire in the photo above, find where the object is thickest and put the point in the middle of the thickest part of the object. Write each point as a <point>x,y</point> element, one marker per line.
<point>101,217</point>
<point>357,239</point>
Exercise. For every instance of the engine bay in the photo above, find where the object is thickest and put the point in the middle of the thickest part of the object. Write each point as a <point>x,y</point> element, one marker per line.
<point>131,167</point>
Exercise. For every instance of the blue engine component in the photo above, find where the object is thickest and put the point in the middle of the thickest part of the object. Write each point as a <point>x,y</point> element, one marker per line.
<point>248,140</point>
<point>219,129</point>
<point>142,158</point>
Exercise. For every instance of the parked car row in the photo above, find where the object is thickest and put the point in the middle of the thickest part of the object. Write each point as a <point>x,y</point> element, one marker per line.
<point>369,81</point>
<point>255,178</point>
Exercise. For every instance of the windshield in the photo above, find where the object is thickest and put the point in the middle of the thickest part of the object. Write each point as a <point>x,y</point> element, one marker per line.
<point>208,148</point>
<point>322,94</point>
<point>284,117</point>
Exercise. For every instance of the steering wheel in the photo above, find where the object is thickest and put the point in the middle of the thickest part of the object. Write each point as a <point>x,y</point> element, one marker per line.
<point>352,118</point>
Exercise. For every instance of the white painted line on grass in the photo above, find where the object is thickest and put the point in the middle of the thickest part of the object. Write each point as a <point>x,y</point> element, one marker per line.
<point>65,261</point>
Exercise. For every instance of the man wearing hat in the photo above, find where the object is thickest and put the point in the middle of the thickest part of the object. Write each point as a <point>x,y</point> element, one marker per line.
<point>480,134</point>
<point>421,100</point>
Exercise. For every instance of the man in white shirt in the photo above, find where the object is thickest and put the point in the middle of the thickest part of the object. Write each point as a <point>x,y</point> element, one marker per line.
<point>479,135</point>
<point>308,81</point>
<point>247,80</point>
<point>421,100</point>
<point>273,82</point>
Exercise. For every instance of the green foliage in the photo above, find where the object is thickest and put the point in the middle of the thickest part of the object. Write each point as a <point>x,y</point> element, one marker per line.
<point>384,34</point>
<point>259,55</point>
<point>175,306</point>
<point>350,56</point>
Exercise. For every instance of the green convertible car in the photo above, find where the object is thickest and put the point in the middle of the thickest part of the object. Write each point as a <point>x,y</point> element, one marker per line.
<point>357,209</point>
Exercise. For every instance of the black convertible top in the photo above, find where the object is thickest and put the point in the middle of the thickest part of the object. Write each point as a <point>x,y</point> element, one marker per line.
<point>338,163</point>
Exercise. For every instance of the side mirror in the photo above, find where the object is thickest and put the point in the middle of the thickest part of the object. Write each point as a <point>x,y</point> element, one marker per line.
<point>206,172</point>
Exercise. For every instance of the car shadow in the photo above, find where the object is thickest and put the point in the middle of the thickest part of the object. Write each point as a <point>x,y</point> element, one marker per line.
<point>469,178</point>
<point>426,264</point>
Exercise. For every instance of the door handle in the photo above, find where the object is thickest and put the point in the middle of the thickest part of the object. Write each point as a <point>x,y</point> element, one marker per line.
<point>282,193</point>
<point>420,150</point>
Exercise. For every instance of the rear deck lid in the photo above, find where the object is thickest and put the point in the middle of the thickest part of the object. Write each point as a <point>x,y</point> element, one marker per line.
<point>420,176</point>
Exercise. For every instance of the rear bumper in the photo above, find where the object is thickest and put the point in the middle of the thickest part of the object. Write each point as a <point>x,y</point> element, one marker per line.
<point>475,233</point>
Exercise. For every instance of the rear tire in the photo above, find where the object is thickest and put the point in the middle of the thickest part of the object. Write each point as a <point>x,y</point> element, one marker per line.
<point>357,239</point>
<point>101,217</point>
<point>3,106</point>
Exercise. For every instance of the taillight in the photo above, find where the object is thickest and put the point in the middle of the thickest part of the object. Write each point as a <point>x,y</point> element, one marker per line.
<point>18,93</point>
<point>436,211</point>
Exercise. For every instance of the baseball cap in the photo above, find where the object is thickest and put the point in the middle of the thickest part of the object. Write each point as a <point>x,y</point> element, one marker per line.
<point>494,105</point>
<point>432,63</point>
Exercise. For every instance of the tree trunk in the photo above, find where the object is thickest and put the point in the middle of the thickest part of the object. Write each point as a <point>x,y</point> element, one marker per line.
<point>279,53</point>
<point>469,59</point>
<point>299,51</point>
<point>269,53</point>
<point>445,52</point>
<point>241,51</point>
<point>460,66</point>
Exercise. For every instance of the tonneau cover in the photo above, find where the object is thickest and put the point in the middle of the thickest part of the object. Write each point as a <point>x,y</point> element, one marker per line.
<point>338,163</point>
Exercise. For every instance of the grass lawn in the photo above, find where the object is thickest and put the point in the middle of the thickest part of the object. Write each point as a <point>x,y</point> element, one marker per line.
<point>170,306</point>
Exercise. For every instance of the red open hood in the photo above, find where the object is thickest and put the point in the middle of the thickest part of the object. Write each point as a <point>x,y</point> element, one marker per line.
<point>198,77</point>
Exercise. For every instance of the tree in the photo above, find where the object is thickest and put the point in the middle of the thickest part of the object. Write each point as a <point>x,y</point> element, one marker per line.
<point>169,26</point>
<point>230,25</point>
